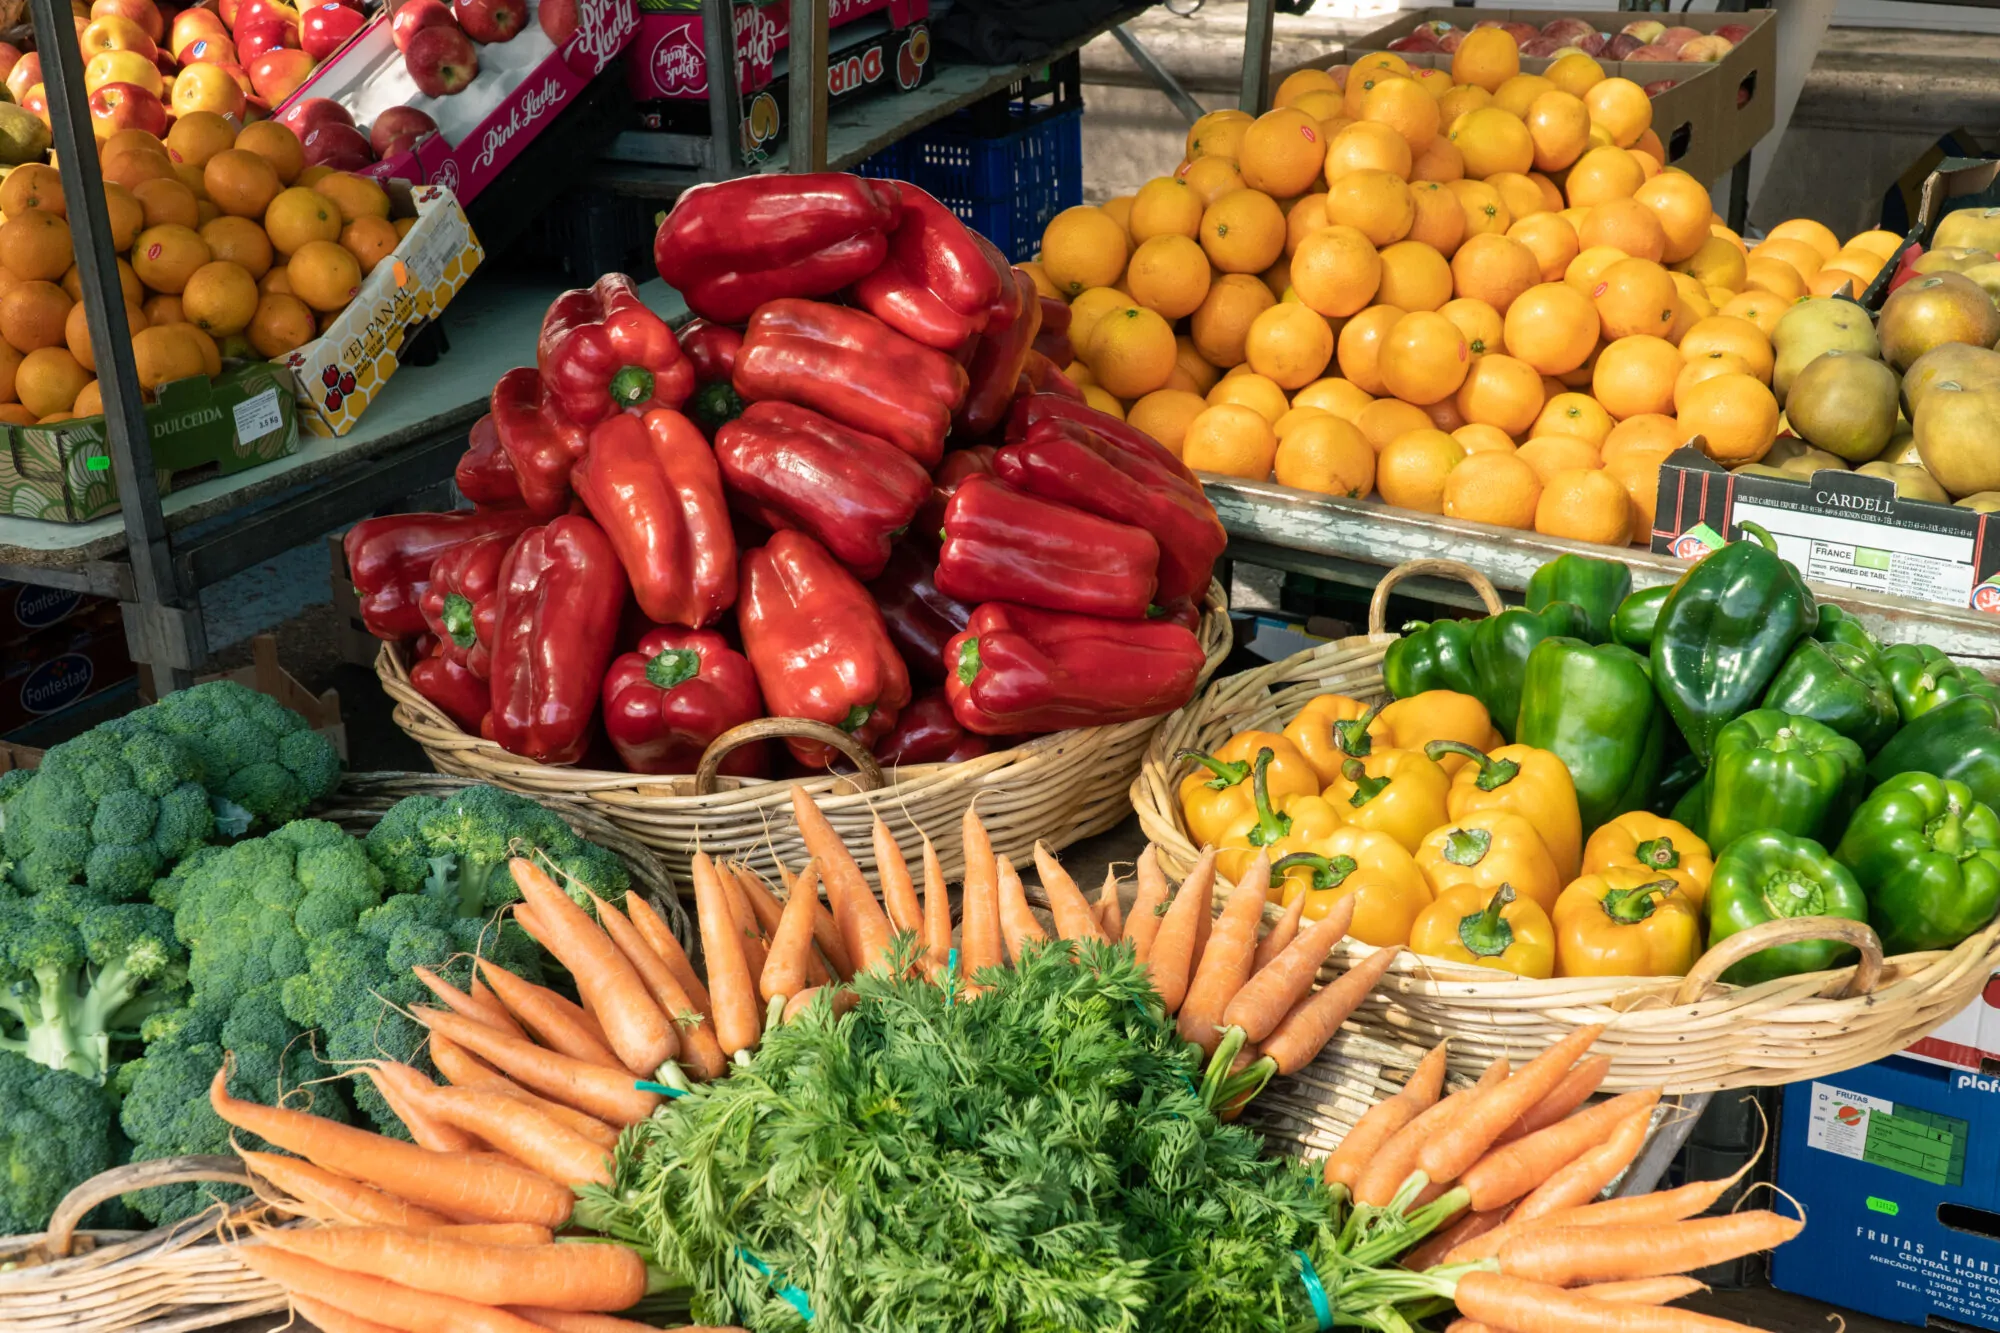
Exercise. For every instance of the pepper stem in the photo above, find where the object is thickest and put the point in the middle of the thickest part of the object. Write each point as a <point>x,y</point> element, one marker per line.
<point>1467,846</point>
<point>1485,934</point>
<point>1658,854</point>
<point>1628,907</point>
<point>1351,737</point>
<point>1271,824</point>
<point>857,718</point>
<point>1762,535</point>
<point>1947,834</point>
<point>1327,872</point>
<point>631,386</point>
<point>673,666</point>
<point>968,661</point>
<point>1227,775</point>
<point>1493,773</point>
<point>1366,788</point>
<point>458,619</point>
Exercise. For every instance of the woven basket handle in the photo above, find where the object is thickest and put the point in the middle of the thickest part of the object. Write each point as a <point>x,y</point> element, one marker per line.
<point>1378,605</point>
<point>777,728</point>
<point>1700,981</point>
<point>123,1180</point>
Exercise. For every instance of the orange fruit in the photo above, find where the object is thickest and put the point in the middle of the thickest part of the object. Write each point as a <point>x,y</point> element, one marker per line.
<point>1574,74</point>
<point>1521,195</point>
<point>1648,435</point>
<point>1168,274</point>
<point>1363,79</point>
<point>1706,367</point>
<point>1423,358</point>
<point>1414,277</point>
<point>33,315</point>
<point>1212,177</point>
<point>1484,210</point>
<point>1559,127</point>
<point>1622,108</point>
<point>198,136</point>
<point>164,309</point>
<point>1326,455</point>
<point>1573,414</point>
<point>1444,414</point>
<point>1131,351</point>
<point>76,337</point>
<point>1815,234</point>
<point>1386,418</point>
<point>1735,415</point>
<point>1164,414</point>
<point>1217,134</point>
<point>1306,216</point>
<point>1492,486</point>
<point>1244,387</point>
<point>1733,334</point>
<point>166,257</point>
<point>1282,153</point>
<point>1440,162</point>
<point>1636,375</point>
<point>1243,232</point>
<point>1412,469</point>
<point>1492,141</point>
<point>1189,361</point>
<point>32,185</point>
<point>1641,479</point>
<point>1375,203</point>
<point>1517,94</point>
<point>129,168</point>
<point>1289,344</point>
<point>1438,220</point>
<point>165,353</point>
<point>1601,175</point>
<point>1334,395</point>
<point>1553,327</point>
<point>1302,81</point>
<point>1550,454</point>
<point>1580,377</point>
<point>89,402</point>
<point>1368,145</point>
<point>1624,224</point>
<point>1550,240</point>
<point>1586,271</point>
<point>209,351</point>
<point>1221,322</point>
<point>1715,263</point>
<point>1278,278</point>
<point>1494,269</point>
<point>1082,247</point>
<point>1802,258</point>
<point>35,246</point>
<point>48,380</point>
<point>1119,208</point>
<point>1165,206</point>
<point>1322,104</point>
<point>326,277</point>
<point>241,182</point>
<point>1682,208</point>
<point>276,144</point>
<point>1478,321</point>
<point>1090,307</point>
<point>1634,296</point>
<point>1830,281</point>
<point>1232,440</point>
<point>1359,346</point>
<point>240,241</point>
<point>1760,308</point>
<point>167,202</point>
<point>300,214</point>
<point>1502,392</point>
<point>1478,438</point>
<point>1486,58</point>
<point>1296,417</point>
<point>281,324</point>
<point>220,298</point>
<point>1097,398</point>
<point>1404,107</point>
<point>1336,271</point>
<point>1585,505</point>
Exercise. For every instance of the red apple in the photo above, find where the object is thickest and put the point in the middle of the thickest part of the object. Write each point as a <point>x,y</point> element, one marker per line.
<point>558,20</point>
<point>211,51</point>
<point>1677,37</point>
<point>489,21</point>
<point>210,86</point>
<point>27,72</point>
<point>191,24</point>
<point>1622,46</point>
<point>227,10</point>
<point>1521,32</point>
<point>1338,73</point>
<point>126,106</point>
<point>261,11</point>
<point>1706,50</point>
<point>1595,44</point>
<point>1646,30</point>
<point>1569,30</point>
<point>1658,86</point>
<point>1541,44</point>
<point>276,75</point>
<point>440,57</point>
<point>142,12</point>
<point>1415,41</point>
<point>324,27</point>
<point>1657,54</point>
<point>36,103</point>
<point>414,15</point>
<point>1733,33</point>
<point>10,55</point>
<point>1451,40</point>
<point>114,33</point>
<point>1435,27</point>
<point>301,118</point>
<point>342,147</point>
<point>398,129</point>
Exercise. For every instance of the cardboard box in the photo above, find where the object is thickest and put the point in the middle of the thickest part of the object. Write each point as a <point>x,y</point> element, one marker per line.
<point>357,646</point>
<point>1970,1038</point>
<point>1897,1165</point>
<point>200,428</point>
<point>46,672</point>
<point>670,57</point>
<point>1842,528</point>
<point>340,372</point>
<point>1956,182</point>
<point>1707,121</point>
<point>25,608</point>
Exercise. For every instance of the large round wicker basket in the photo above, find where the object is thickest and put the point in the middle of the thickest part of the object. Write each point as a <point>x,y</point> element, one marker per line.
<point>1691,1034</point>
<point>179,1276</point>
<point>1057,789</point>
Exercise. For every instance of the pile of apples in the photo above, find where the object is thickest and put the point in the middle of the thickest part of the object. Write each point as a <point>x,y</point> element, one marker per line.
<point>440,42</point>
<point>327,132</point>
<point>1642,39</point>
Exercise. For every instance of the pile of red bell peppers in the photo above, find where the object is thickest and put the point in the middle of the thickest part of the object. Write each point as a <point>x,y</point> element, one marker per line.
<point>855,490</point>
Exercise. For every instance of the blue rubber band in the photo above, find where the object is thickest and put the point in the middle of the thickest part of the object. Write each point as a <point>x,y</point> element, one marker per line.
<point>1315,1291</point>
<point>788,1293</point>
<point>661,1088</point>
<point>950,976</point>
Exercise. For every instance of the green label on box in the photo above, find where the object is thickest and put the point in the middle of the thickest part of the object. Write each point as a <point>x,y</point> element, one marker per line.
<point>1905,1139</point>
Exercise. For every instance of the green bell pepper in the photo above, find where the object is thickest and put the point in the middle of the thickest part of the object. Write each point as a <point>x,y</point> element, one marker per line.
<point>1597,586</point>
<point>1500,648</point>
<point>1637,616</point>
<point>1774,770</point>
<point>1431,655</point>
<point>1691,810</point>
<point>1680,773</point>
<point>1593,708</point>
<point>1771,876</point>
<point>1840,626</point>
<point>1959,740</point>
<point>1840,685</point>
<point>1928,857</point>
<point>1724,631</point>
<point>1922,678</point>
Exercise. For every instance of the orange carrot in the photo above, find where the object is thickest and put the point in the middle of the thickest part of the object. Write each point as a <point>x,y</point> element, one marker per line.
<point>1585,1178</point>
<point>699,1052</point>
<point>981,936</point>
<point>1396,1159</point>
<point>1533,1307</point>
<point>1448,1156</point>
<point>489,1233</point>
<point>462,1069</point>
<point>459,1066</point>
<point>1017,921</point>
<point>523,1133</point>
<point>475,1189</point>
<point>1574,1090</point>
<point>1384,1118</point>
<point>481,1004</point>
<point>764,904</point>
<point>403,1088</point>
<point>1148,905</point>
<point>866,934</point>
<point>1570,1256</point>
<point>826,934</point>
<point>1072,911</point>
<point>843,1000</point>
<point>653,928</point>
<point>1505,1174</point>
<point>738,1021</point>
<point>607,1094</point>
<point>634,1027</point>
<point>1110,912</point>
<point>332,1319</point>
<point>754,951</point>
<point>785,965</point>
<point>558,1026</point>
<point>937,915</point>
<point>1471,1326</point>
<point>378,1300</point>
<point>1642,1291</point>
<point>563,1321</point>
<point>341,1199</point>
<point>1282,932</point>
<point>1272,991</point>
<point>559,1277</point>
<point>1304,1032</point>
<point>899,895</point>
<point>1177,942</point>
<point>1468,1227</point>
<point>1660,1206</point>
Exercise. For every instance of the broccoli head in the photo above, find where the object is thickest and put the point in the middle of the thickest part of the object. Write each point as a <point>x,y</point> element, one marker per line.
<point>79,972</point>
<point>55,1133</point>
<point>457,847</point>
<point>262,763</point>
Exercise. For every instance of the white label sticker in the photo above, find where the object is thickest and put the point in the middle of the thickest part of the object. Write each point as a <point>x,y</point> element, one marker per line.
<point>1839,1121</point>
<point>258,417</point>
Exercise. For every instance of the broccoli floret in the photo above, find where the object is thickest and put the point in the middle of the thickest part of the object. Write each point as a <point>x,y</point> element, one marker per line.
<point>457,847</point>
<point>110,809</point>
<point>80,971</point>
<point>263,765</point>
<point>55,1133</point>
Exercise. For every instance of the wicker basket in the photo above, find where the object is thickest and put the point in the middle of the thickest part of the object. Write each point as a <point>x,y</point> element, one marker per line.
<point>1691,1034</point>
<point>1057,788</point>
<point>178,1277</point>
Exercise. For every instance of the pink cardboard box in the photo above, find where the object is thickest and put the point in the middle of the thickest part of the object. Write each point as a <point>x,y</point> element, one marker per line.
<point>521,86</point>
<point>672,62</point>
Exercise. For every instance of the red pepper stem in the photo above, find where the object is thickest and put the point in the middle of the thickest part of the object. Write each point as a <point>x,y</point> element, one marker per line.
<point>857,718</point>
<point>968,662</point>
<point>1271,825</point>
<point>1493,773</point>
<point>1351,736</point>
<point>631,386</point>
<point>1628,907</point>
<point>1327,872</point>
<point>674,666</point>
<point>457,619</point>
<point>1227,775</point>
<point>1658,854</point>
<point>1366,788</point>
<point>1486,934</point>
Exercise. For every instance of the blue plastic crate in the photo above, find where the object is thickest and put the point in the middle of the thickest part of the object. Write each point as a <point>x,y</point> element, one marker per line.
<point>1006,187</point>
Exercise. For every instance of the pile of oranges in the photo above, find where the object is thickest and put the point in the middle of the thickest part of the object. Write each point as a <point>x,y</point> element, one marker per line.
<point>228,244</point>
<point>1480,294</point>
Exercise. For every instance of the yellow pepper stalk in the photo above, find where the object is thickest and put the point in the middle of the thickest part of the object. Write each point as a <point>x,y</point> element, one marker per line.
<point>1488,848</point>
<point>1498,930</point>
<point>1217,794</point>
<point>1389,891</point>
<point>1627,921</point>
<point>1532,783</point>
<point>1269,824</point>
<point>1398,792</point>
<point>1326,744</point>
<point>1440,715</point>
<point>1659,845</point>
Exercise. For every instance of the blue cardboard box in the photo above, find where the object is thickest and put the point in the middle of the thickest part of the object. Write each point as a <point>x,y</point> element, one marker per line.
<point>1897,1165</point>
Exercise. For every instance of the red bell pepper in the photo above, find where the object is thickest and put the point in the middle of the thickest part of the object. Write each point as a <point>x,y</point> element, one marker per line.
<point>818,644</point>
<point>711,349</point>
<point>731,246</point>
<point>561,592</point>
<point>485,475</point>
<point>1042,375</point>
<point>389,560</point>
<point>1183,611</point>
<point>790,467</point>
<point>463,598</point>
<point>1052,339</point>
<point>1018,669</point>
<point>854,368</point>
<point>678,691</point>
<point>929,733</point>
<point>921,619</point>
<point>997,360</point>
<point>1066,461</point>
<point>928,526</point>
<point>652,483</point>
<point>541,443</point>
<point>1002,544</point>
<point>602,352</point>
<point>937,284</point>
<point>1027,411</point>
<point>464,697</point>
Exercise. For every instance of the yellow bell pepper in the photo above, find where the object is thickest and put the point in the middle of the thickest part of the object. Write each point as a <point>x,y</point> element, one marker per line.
<point>1398,792</point>
<point>1488,848</point>
<point>1389,891</point>
<point>1217,794</point>
<point>1532,783</point>
<point>1659,845</point>
<point>1327,747</point>
<point>1297,822</point>
<point>1440,715</point>
<point>1499,930</point>
<point>1627,921</point>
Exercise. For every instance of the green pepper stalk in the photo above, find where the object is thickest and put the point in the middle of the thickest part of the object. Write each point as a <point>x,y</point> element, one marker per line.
<point>1628,907</point>
<point>1271,824</point>
<point>1658,854</point>
<point>1327,872</point>
<point>1366,788</point>
<point>1227,775</point>
<point>1351,736</point>
<point>1493,773</point>
<point>1485,934</point>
